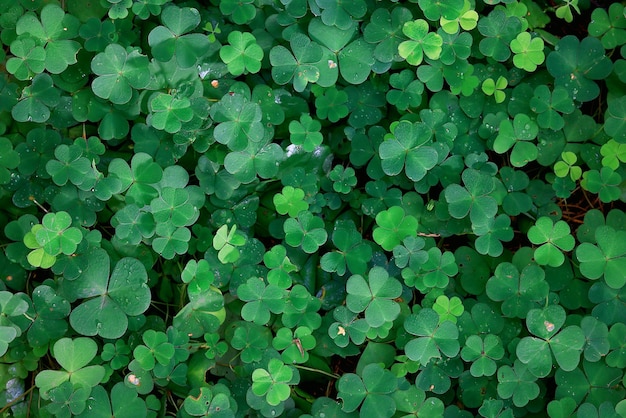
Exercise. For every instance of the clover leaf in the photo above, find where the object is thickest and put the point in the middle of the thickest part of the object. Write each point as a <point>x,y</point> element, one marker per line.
<point>155,349</point>
<point>495,88</point>
<point>554,239</point>
<point>173,39</point>
<point>209,402</point>
<point>240,12</point>
<point>342,14</point>
<point>306,132</point>
<point>290,201</point>
<point>614,154</point>
<point>517,135</point>
<point>257,159</point>
<point>519,291</point>
<point>37,100</point>
<point>605,183</point>
<point>294,344</point>
<point>372,391</point>
<point>517,383</point>
<point>374,296</point>
<point>120,401</point>
<point>435,272</point>
<point>352,253</point>
<point>498,30</point>
<point>434,338</point>
<point>467,20</point>
<point>69,165</point>
<point>273,382</point>
<point>133,224</point>
<point>422,42</point>
<point>298,66</point>
<point>609,25</point>
<point>405,149</point>
<point>54,32</point>
<point>57,236</point>
<point>492,233</point>
<point>109,300</point>
<point>226,241</point>
<point>407,90</point>
<point>566,345</point>
<point>73,355</point>
<point>332,105</point>
<point>239,122</point>
<point>119,72</point>
<point>528,52</point>
<point>65,400</point>
<point>261,300</point>
<point>547,104</point>
<point>473,199</point>
<point>28,58</point>
<point>243,55</point>
<point>564,11</point>
<point>575,64</point>
<point>393,226</point>
<point>607,258</point>
<point>483,353</point>
<point>384,30</point>
<point>168,113</point>
<point>306,231</point>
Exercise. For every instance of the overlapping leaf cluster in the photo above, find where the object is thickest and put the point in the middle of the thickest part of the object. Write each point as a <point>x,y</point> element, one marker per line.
<point>312,208</point>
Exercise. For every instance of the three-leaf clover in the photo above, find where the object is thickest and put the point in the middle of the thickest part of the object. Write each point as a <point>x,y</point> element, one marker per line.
<point>374,296</point>
<point>575,64</point>
<point>483,352</point>
<point>243,55</point>
<point>473,199</point>
<point>73,355</point>
<point>298,66</point>
<point>274,382</point>
<point>118,73</point>
<point>519,291</point>
<point>261,300</point>
<point>609,26</point>
<point>528,51</point>
<point>306,231</point>
<point>605,183</point>
<point>352,253</point>
<point>549,339</point>
<point>173,39</point>
<point>372,391</point>
<point>54,32</point>
<point>405,149</point>
<point>294,344</point>
<point>607,258</point>
<point>226,241</point>
<point>306,132</point>
<point>518,136</point>
<point>290,201</point>
<point>53,237</point>
<point>168,113</point>
<point>553,238</point>
<point>434,337</point>
<point>109,301</point>
<point>421,42</point>
<point>518,383</point>
<point>393,226</point>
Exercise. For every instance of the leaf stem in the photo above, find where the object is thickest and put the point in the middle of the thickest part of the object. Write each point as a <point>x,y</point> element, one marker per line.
<point>311,369</point>
<point>16,400</point>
